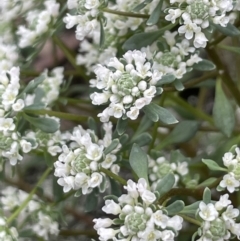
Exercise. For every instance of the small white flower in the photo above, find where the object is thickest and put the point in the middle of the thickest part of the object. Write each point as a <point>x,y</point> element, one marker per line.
<point>207,211</point>
<point>160,219</point>
<point>230,183</point>
<point>102,223</point>
<point>18,105</point>
<point>111,207</point>
<point>223,202</point>
<point>95,180</point>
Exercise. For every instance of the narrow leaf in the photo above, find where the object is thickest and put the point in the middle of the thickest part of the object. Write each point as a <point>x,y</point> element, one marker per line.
<point>223,113</point>
<point>32,85</point>
<point>142,139</point>
<point>165,184</point>
<point>102,33</point>
<point>139,40</point>
<point>207,195</point>
<point>48,125</point>
<point>229,30</point>
<point>182,132</point>
<point>142,5</point>
<point>112,146</point>
<point>212,165</point>
<point>121,126</point>
<point>191,209</point>
<point>139,162</point>
<point>154,17</point>
<point>229,48</point>
<point>175,207</point>
<point>204,65</point>
<point>91,202</point>
<point>166,79</point>
<point>207,182</point>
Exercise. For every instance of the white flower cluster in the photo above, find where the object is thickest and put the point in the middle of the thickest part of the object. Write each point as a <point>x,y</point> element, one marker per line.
<point>160,167</point>
<point>10,9</point>
<point>78,167</point>
<point>41,223</point>
<point>85,16</point>
<point>129,85</point>
<point>90,54</point>
<point>137,220</point>
<point>7,234</point>
<point>231,181</point>
<point>8,55</point>
<point>11,142</point>
<point>177,59</point>
<point>49,142</point>
<point>218,220</point>
<point>196,15</point>
<point>121,25</point>
<point>38,23</point>
<point>51,85</point>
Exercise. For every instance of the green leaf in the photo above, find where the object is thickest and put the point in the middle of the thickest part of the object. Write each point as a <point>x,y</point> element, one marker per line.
<point>141,5</point>
<point>111,147</point>
<point>191,209</point>
<point>154,112</point>
<point>175,207</point>
<point>102,33</point>
<point>182,132</point>
<point>212,165</point>
<point>92,124</point>
<point>165,184</point>
<point>33,84</point>
<point>91,202</point>
<point>229,48</point>
<point>45,124</point>
<point>229,30</point>
<point>139,162</point>
<point>139,40</point>
<point>223,113</point>
<point>207,195</point>
<point>144,125</point>
<point>115,188</point>
<point>121,126</point>
<point>207,182</point>
<point>143,139</point>
<point>37,106</point>
<point>154,17</point>
<point>178,85</point>
<point>204,65</point>
<point>166,79</point>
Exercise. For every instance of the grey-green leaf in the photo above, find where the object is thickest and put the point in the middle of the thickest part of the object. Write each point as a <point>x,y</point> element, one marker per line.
<point>45,124</point>
<point>207,182</point>
<point>142,139</point>
<point>32,85</point>
<point>182,132</point>
<point>175,207</point>
<point>142,5</point>
<point>212,165</point>
<point>155,113</point>
<point>165,184</point>
<point>229,48</point>
<point>223,113</point>
<point>139,40</point>
<point>204,65</point>
<point>154,17</point>
<point>229,30</point>
<point>121,126</point>
<point>191,209</point>
<point>112,146</point>
<point>166,79</point>
<point>139,162</point>
<point>207,195</point>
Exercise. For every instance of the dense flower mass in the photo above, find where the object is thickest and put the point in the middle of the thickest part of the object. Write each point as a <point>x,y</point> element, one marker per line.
<point>160,167</point>
<point>231,181</point>
<point>38,23</point>
<point>128,83</point>
<point>196,15</point>
<point>78,167</point>
<point>218,220</point>
<point>7,234</point>
<point>39,219</point>
<point>137,219</point>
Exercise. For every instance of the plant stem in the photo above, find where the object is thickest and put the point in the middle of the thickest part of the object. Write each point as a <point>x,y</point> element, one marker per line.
<point>194,82</point>
<point>189,219</point>
<point>113,175</point>
<point>30,196</point>
<point>61,115</point>
<point>90,233</point>
<point>126,14</point>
